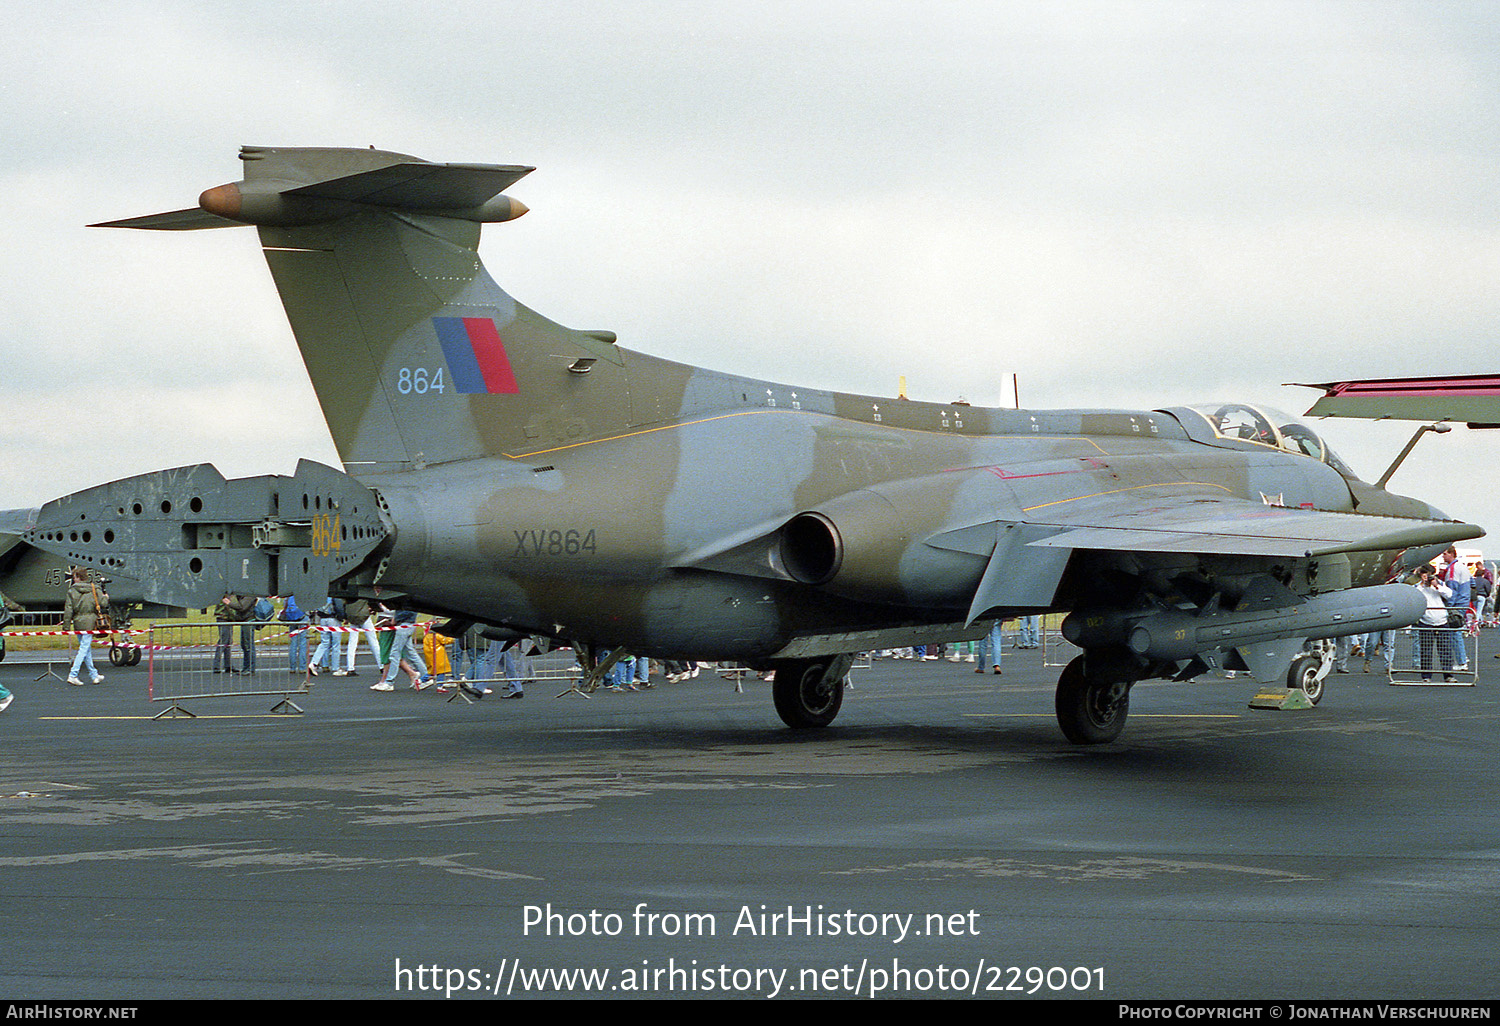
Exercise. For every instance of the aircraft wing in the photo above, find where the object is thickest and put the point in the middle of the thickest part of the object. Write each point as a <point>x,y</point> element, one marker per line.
<point>1473,399</point>
<point>1029,558</point>
<point>1232,526</point>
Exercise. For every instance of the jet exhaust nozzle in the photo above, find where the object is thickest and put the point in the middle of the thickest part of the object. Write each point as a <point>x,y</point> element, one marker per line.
<point>811,548</point>
<point>862,546</point>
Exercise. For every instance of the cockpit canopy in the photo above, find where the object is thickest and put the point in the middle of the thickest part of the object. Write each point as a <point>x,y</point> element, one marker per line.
<point>1264,425</point>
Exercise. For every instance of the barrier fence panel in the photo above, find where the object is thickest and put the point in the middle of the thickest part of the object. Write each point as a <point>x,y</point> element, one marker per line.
<point>488,666</point>
<point>1436,655</point>
<point>562,665</point>
<point>219,660</point>
<point>59,645</point>
<point>559,664</point>
<point>21,622</point>
<point>1056,649</point>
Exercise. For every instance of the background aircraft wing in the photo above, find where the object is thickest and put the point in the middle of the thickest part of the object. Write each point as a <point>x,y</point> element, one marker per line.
<point>17,521</point>
<point>1232,526</point>
<point>1473,399</point>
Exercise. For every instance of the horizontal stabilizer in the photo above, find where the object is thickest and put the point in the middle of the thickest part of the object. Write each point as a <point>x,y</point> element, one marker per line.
<point>187,220</point>
<point>420,186</point>
<point>297,187</point>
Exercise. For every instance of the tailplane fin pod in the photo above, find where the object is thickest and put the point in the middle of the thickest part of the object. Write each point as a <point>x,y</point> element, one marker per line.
<point>416,355</point>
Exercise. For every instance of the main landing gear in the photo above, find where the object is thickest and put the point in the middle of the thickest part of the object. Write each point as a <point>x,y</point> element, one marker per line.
<point>1091,707</point>
<point>1308,674</point>
<point>809,692</point>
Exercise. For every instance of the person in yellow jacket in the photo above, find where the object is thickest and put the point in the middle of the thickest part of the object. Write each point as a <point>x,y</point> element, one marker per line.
<point>435,652</point>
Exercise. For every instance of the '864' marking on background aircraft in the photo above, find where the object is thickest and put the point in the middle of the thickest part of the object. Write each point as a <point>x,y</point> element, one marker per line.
<point>502,469</point>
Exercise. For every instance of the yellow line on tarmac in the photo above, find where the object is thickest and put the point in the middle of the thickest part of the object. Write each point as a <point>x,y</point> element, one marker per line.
<point>1133,716</point>
<point>200,716</point>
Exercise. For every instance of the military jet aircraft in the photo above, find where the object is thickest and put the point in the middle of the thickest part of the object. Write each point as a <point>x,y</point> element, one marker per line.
<point>503,469</point>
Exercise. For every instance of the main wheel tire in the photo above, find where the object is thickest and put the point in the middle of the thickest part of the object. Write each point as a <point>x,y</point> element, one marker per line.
<point>1090,712</point>
<point>135,656</point>
<point>117,655</point>
<point>808,692</point>
<point>1304,677</point>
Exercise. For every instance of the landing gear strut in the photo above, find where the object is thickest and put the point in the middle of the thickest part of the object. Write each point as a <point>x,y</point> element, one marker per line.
<point>809,692</point>
<point>1091,710</point>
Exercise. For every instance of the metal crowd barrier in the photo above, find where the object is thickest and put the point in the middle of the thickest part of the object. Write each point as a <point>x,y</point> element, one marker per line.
<point>1437,655</point>
<point>1056,649</point>
<point>558,664</point>
<point>194,661</point>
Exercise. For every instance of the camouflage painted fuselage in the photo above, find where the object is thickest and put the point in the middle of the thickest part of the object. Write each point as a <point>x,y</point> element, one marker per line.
<point>662,533</point>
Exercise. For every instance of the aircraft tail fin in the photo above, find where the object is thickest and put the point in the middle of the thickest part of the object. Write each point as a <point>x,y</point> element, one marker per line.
<point>416,355</point>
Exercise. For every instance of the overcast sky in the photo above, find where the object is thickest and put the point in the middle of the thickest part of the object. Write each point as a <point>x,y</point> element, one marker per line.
<point>1127,204</point>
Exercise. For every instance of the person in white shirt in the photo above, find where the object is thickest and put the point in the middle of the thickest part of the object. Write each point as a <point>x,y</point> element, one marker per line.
<point>1428,638</point>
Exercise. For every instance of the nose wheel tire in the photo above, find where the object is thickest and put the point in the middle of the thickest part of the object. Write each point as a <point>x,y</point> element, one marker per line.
<point>1090,711</point>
